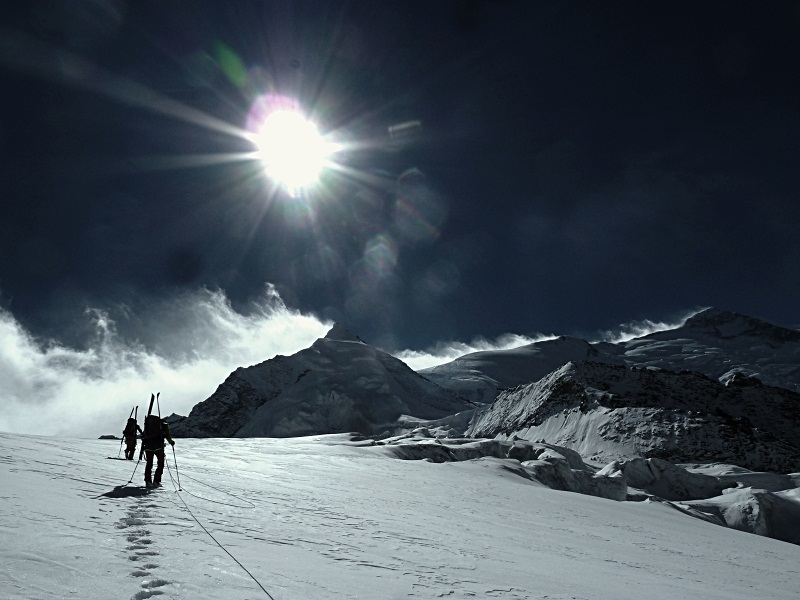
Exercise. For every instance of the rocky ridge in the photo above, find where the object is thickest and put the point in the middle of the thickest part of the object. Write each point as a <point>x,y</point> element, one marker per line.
<point>610,412</point>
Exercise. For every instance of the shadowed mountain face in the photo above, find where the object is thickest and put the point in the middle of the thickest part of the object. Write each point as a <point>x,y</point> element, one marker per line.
<point>338,384</point>
<point>609,412</point>
<point>720,344</point>
<point>479,376</point>
<point>714,342</point>
<point>728,325</point>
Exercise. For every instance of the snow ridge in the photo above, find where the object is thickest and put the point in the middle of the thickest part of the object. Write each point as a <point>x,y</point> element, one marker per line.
<point>729,325</point>
<point>479,376</point>
<point>612,412</point>
<point>714,342</point>
<point>339,384</point>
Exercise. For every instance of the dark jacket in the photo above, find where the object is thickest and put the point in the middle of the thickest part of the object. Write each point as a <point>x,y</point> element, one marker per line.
<point>154,440</point>
<point>130,429</point>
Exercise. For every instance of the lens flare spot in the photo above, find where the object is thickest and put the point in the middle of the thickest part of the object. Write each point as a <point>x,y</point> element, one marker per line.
<point>380,255</point>
<point>419,212</point>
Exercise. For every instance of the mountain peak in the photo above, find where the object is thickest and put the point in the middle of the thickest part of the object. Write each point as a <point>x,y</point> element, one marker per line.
<point>340,334</point>
<point>714,316</point>
<point>727,325</point>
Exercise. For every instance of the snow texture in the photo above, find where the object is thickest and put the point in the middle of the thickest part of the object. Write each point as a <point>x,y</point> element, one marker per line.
<point>479,376</point>
<point>339,384</point>
<point>610,412</point>
<point>720,343</point>
<point>714,342</point>
<point>330,518</point>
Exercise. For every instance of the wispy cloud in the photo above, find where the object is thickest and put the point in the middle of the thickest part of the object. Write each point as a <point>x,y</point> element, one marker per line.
<point>635,329</point>
<point>50,389</point>
<point>444,352</point>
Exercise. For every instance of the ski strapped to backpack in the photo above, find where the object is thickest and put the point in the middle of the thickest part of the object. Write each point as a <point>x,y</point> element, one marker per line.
<point>147,419</point>
<point>125,430</point>
<point>153,433</point>
<point>153,398</point>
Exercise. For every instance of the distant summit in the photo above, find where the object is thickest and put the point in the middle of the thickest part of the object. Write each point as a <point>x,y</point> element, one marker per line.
<point>340,334</point>
<point>719,343</point>
<point>339,384</point>
<point>479,376</point>
<point>714,342</point>
<point>729,325</point>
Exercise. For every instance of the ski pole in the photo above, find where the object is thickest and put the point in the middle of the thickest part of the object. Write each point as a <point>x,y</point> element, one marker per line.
<point>176,467</point>
<point>134,470</point>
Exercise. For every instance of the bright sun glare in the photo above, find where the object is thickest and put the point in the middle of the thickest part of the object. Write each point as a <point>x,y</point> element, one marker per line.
<point>292,150</point>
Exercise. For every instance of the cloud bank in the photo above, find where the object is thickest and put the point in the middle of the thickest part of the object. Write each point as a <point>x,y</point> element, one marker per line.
<point>49,389</point>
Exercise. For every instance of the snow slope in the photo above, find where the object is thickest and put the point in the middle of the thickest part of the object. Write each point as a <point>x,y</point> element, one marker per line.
<point>480,375</point>
<point>719,343</point>
<point>325,519</point>
<point>714,342</point>
<point>339,384</point>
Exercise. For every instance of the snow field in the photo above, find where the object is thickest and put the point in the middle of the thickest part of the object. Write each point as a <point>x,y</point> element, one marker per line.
<point>319,518</point>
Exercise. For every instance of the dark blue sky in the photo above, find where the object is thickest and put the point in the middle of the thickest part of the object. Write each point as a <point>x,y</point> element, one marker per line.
<point>578,164</point>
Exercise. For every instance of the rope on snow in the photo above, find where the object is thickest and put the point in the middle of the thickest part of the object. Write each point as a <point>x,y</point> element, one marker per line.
<point>203,527</point>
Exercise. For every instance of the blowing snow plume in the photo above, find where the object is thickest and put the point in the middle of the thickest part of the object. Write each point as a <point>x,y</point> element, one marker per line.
<point>444,352</point>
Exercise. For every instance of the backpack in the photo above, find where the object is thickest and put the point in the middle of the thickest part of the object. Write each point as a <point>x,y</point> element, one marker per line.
<point>130,428</point>
<point>153,434</point>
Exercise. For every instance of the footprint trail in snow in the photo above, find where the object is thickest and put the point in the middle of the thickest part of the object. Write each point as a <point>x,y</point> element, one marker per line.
<point>141,550</point>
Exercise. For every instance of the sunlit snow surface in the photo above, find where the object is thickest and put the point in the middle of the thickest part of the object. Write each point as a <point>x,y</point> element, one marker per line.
<point>320,518</point>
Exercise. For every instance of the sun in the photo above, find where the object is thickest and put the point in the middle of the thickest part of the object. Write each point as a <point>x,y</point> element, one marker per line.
<point>292,150</point>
